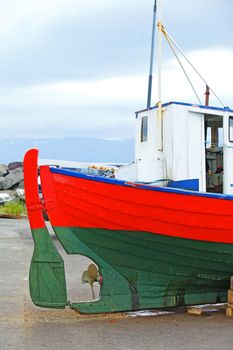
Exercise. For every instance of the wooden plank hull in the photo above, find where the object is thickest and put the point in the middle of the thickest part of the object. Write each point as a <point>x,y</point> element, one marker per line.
<point>87,201</point>
<point>154,247</point>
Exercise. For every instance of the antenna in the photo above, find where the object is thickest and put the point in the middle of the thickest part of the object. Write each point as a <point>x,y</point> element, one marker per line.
<point>151,57</point>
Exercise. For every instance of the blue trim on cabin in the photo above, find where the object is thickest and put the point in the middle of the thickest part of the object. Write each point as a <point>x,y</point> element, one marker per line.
<point>137,185</point>
<point>225,109</point>
<point>189,184</point>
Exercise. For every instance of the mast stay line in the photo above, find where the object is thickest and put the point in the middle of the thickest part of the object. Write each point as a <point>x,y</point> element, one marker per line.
<point>174,46</point>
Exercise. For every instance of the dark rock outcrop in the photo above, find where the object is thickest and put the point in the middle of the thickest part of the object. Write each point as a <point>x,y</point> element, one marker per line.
<point>3,170</point>
<point>13,178</point>
<point>11,181</point>
<point>15,165</point>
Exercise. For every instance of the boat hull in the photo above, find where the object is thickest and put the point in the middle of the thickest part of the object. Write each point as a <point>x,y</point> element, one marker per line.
<point>147,258</point>
<point>156,270</point>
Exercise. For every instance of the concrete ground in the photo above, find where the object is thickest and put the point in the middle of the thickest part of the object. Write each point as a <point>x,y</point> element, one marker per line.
<point>25,326</point>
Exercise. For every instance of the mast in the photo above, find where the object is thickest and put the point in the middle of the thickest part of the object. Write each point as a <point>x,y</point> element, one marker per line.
<point>151,57</point>
<point>159,63</point>
<point>159,51</point>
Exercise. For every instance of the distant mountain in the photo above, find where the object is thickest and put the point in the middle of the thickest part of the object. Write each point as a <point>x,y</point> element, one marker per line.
<point>75,149</point>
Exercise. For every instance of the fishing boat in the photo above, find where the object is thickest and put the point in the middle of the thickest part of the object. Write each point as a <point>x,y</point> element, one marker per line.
<point>160,234</point>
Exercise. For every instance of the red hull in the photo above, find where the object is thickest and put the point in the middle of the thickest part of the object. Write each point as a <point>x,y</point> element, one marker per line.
<point>73,200</point>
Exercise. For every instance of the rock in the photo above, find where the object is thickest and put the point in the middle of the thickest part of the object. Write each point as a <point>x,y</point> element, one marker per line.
<point>3,170</point>
<point>12,179</point>
<point>5,197</point>
<point>10,192</point>
<point>1,179</point>
<point>15,165</point>
<point>20,193</point>
<point>21,185</point>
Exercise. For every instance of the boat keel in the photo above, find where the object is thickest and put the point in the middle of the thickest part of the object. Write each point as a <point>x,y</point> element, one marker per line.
<point>47,274</point>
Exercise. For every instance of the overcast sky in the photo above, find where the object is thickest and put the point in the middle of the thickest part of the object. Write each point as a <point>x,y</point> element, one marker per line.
<point>79,68</point>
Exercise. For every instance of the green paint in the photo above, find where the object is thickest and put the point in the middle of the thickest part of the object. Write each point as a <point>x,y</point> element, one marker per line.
<point>115,293</point>
<point>47,274</point>
<point>142,270</point>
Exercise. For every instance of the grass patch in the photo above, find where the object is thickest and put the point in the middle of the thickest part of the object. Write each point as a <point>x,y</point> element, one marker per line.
<point>16,207</point>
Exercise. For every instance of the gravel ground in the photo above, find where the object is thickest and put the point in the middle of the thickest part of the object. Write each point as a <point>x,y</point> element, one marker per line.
<point>24,326</point>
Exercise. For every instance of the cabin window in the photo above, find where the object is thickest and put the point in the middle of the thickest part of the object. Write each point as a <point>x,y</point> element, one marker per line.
<point>144,129</point>
<point>231,129</point>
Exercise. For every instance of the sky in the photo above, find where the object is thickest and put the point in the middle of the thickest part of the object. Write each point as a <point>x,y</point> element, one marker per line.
<point>79,68</point>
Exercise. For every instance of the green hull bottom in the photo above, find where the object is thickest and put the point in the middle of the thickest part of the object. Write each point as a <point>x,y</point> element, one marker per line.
<point>140,270</point>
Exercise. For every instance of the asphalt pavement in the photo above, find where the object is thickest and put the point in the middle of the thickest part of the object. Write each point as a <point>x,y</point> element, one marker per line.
<point>25,326</point>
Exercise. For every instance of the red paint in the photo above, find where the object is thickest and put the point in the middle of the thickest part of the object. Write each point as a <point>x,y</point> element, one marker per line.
<point>100,280</point>
<point>91,204</point>
<point>34,205</point>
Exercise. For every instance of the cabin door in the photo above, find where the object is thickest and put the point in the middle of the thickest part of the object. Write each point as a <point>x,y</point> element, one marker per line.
<point>214,153</point>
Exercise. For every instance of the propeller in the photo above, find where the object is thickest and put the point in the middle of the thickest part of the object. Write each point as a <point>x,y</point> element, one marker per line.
<point>90,276</point>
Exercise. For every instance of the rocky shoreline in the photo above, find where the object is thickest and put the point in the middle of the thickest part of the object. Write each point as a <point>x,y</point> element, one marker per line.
<point>11,182</point>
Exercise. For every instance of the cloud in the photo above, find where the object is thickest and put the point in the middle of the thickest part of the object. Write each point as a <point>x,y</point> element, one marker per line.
<point>42,40</point>
<point>215,65</point>
<point>80,68</point>
<point>47,40</point>
<point>105,107</point>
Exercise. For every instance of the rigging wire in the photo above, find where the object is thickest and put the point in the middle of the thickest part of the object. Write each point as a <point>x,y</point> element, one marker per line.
<point>173,44</point>
<point>180,63</point>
